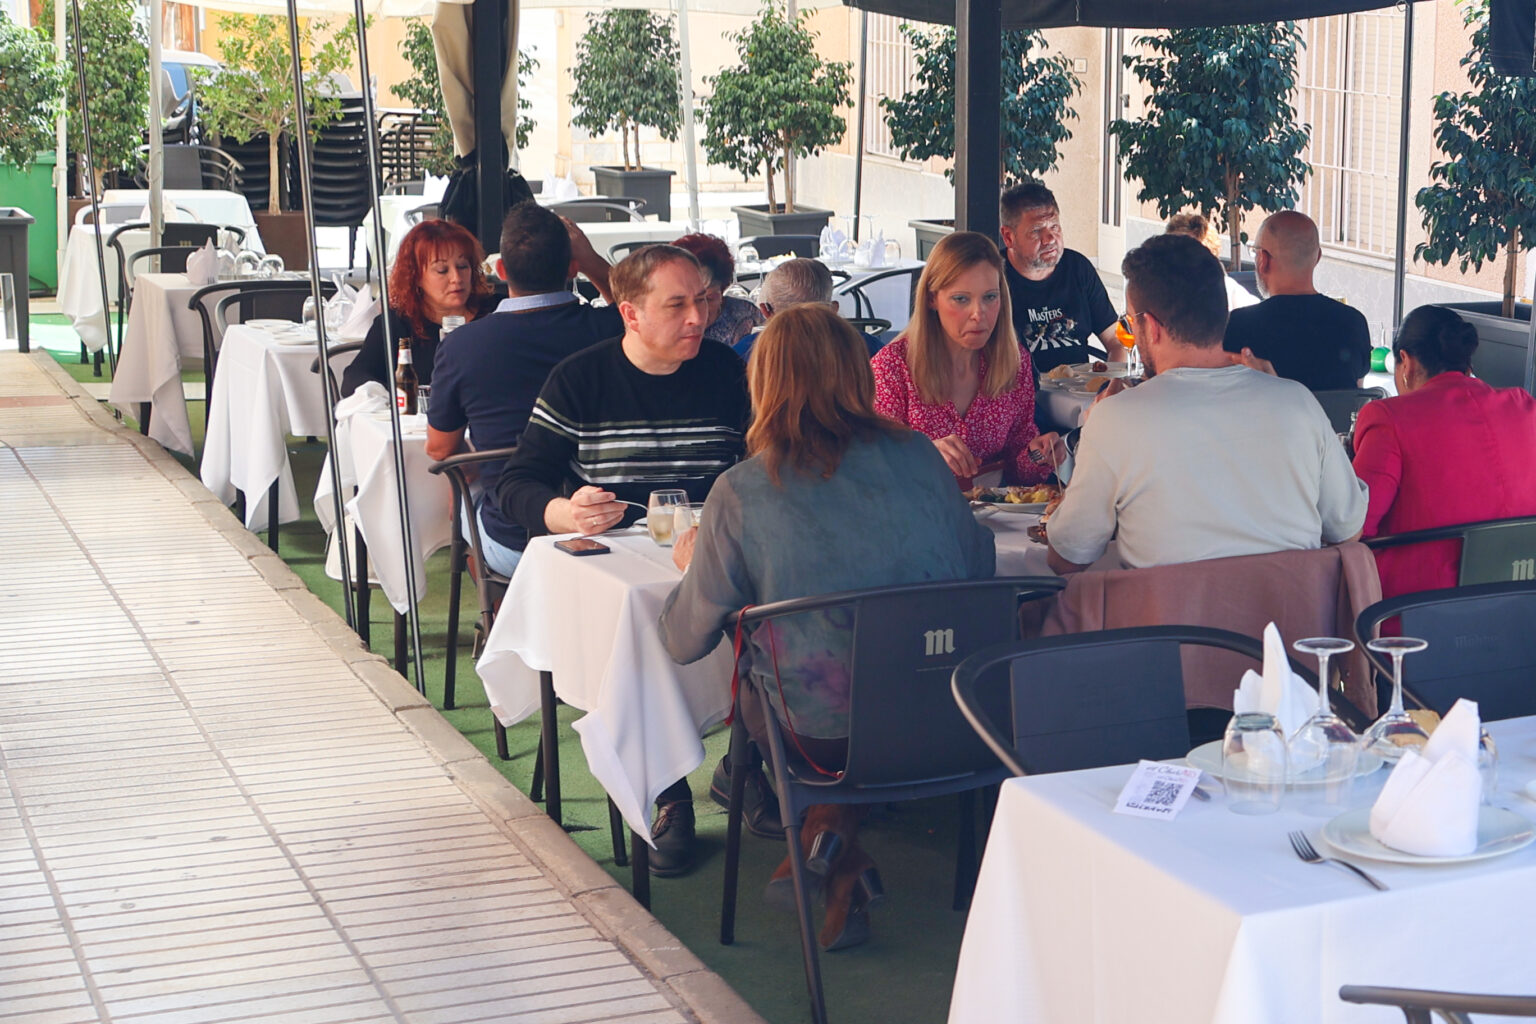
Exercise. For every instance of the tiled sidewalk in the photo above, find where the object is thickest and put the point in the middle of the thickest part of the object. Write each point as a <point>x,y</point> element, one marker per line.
<point>216,806</point>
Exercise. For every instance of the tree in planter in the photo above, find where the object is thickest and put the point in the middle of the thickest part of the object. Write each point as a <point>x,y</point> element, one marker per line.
<point>117,77</point>
<point>1037,94</point>
<point>31,88</point>
<point>1482,203</point>
<point>253,93</point>
<point>780,102</point>
<point>626,78</point>
<point>424,91</point>
<point>1220,133</point>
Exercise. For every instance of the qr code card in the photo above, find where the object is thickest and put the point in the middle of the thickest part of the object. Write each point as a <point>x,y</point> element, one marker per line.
<point>1157,790</point>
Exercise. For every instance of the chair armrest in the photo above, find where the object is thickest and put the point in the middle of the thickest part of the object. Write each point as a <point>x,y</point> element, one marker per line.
<point>1425,1000</point>
<point>469,458</point>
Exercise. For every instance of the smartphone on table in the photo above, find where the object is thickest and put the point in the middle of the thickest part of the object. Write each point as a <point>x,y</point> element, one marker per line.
<point>581,546</point>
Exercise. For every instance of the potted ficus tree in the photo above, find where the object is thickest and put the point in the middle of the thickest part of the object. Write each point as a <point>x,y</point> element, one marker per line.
<point>626,79</point>
<point>1481,204</point>
<point>1219,133</point>
<point>31,89</point>
<point>424,91</point>
<point>253,95</point>
<point>780,102</point>
<point>1037,90</point>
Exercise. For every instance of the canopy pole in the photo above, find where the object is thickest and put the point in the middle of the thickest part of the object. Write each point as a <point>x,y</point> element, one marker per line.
<point>978,114</point>
<point>858,142</point>
<point>61,151</point>
<point>306,179</point>
<point>685,93</point>
<point>490,64</point>
<point>156,166</point>
<point>1400,259</point>
<point>90,161</point>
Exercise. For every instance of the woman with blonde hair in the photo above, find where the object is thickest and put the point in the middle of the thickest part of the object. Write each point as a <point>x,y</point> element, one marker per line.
<point>829,490</point>
<point>1199,227</point>
<point>958,373</point>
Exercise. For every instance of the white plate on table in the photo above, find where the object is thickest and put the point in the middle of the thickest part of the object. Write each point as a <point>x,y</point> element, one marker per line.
<point>297,338</point>
<point>1498,832</point>
<point>270,325</point>
<point>1207,757</point>
<point>1032,508</point>
<point>1086,370</point>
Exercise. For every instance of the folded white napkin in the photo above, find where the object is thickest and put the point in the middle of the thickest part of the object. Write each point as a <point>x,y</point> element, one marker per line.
<point>832,240</point>
<point>1279,691</point>
<point>365,309</point>
<point>432,188</point>
<point>369,397</point>
<point>203,266</point>
<point>558,190</point>
<point>877,250</point>
<point>1429,805</point>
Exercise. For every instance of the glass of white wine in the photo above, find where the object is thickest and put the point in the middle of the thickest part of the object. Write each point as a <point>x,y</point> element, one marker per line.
<point>661,510</point>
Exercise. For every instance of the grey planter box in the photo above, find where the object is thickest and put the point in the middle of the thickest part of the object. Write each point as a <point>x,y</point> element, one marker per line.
<point>652,184</point>
<point>756,220</point>
<point>14,223</point>
<point>1501,341</point>
<point>929,234</point>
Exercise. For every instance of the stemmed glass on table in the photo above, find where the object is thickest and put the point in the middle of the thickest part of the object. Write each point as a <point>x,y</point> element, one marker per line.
<point>1325,747</point>
<point>1396,730</point>
<point>1125,334</point>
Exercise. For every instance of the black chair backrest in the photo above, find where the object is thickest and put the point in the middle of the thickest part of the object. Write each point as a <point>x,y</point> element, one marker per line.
<point>195,235</point>
<point>1087,700</point>
<point>276,300</point>
<point>335,350</point>
<point>171,259</point>
<point>862,306</point>
<point>619,250</point>
<point>183,167</point>
<point>1342,406</point>
<point>1492,551</point>
<point>1481,646</point>
<point>903,724</point>
<point>808,246</point>
<point>615,209</point>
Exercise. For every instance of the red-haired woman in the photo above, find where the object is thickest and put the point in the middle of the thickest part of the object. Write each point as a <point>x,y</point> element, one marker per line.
<point>436,274</point>
<point>730,318</point>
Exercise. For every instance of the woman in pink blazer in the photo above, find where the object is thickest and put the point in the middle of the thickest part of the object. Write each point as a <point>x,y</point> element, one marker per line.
<point>1448,449</point>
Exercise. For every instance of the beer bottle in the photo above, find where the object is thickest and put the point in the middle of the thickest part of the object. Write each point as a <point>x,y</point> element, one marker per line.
<point>405,380</point>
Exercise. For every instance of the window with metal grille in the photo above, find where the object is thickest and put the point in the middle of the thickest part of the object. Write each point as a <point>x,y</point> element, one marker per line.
<point>1350,92</point>
<point>890,71</point>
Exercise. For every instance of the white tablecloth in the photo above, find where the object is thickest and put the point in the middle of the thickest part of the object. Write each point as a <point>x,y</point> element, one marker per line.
<point>1063,409</point>
<point>161,333</point>
<point>1083,915</point>
<point>264,392</point>
<point>209,205</point>
<point>591,622</point>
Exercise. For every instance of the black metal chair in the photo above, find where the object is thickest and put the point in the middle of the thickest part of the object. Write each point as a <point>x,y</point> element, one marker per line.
<point>1492,551</point>
<point>874,331</point>
<point>195,167</point>
<point>808,246</point>
<point>1481,647</point>
<point>1125,701</point>
<point>1421,1006</point>
<point>1342,406</point>
<point>906,739</point>
<point>601,209</point>
<point>426,211</point>
<point>619,250</point>
<point>863,306</point>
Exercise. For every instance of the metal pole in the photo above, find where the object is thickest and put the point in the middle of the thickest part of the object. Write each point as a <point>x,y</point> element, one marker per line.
<point>978,114</point>
<point>156,167</point>
<point>685,93</point>
<point>90,161</point>
<point>490,64</point>
<point>370,118</point>
<point>858,141</point>
<point>1400,259</point>
<point>61,150</point>
<point>306,178</point>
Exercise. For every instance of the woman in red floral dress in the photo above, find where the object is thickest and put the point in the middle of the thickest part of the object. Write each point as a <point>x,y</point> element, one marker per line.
<point>957,373</point>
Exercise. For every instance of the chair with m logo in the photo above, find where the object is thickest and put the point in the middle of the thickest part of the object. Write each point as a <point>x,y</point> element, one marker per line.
<point>906,738</point>
<point>1492,551</point>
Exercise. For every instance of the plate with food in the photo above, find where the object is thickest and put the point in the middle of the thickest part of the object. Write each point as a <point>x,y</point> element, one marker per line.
<point>1031,500</point>
<point>1099,367</point>
<point>1090,385</point>
<point>1059,377</point>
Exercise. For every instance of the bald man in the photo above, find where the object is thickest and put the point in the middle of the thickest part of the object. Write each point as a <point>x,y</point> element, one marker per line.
<point>1308,337</point>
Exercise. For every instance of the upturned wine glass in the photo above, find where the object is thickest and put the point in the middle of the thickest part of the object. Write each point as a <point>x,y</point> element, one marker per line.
<point>1396,730</point>
<point>1324,752</point>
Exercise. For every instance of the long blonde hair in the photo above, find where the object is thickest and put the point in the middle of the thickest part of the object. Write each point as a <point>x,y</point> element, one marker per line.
<point>813,393</point>
<point>927,358</point>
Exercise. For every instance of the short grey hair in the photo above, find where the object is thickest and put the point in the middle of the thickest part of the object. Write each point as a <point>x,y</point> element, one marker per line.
<point>797,281</point>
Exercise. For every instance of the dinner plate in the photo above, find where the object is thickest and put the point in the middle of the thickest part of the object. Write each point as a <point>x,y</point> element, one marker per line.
<point>1032,508</point>
<point>269,325</point>
<point>1086,370</point>
<point>1207,757</point>
<point>296,338</point>
<point>1498,832</point>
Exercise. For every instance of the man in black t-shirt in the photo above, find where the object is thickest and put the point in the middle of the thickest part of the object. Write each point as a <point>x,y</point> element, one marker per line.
<point>1057,297</point>
<point>1306,337</point>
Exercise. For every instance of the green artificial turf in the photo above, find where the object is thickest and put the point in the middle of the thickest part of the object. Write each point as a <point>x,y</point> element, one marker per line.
<point>903,974</point>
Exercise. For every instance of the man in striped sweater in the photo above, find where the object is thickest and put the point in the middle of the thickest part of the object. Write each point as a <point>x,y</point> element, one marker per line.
<point>654,409</point>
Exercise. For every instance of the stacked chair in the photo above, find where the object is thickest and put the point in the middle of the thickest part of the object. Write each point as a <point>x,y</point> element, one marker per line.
<point>340,180</point>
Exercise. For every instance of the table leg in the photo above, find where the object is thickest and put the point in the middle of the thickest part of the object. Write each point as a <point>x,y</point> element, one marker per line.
<point>402,659</point>
<point>272,497</point>
<point>551,745</point>
<point>640,868</point>
<point>360,550</point>
<point>144,408</point>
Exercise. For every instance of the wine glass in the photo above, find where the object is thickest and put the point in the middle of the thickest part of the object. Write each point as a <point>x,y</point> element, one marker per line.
<point>1395,731</point>
<point>1488,764</point>
<point>748,259</point>
<point>1124,334</point>
<point>1325,750</point>
<point>1254,764</point>
<point>307,315</point>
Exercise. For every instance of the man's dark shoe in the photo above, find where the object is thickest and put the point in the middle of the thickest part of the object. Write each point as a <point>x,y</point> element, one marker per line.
<point>672,829</point>
<point>759,804</point>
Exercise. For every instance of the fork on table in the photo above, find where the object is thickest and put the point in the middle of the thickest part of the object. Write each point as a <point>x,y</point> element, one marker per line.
<point>1304,849</point>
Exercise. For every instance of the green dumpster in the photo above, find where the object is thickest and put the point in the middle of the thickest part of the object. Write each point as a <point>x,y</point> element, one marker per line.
<point>32,190</point>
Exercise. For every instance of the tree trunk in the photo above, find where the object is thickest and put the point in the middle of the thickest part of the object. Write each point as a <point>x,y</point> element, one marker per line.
<point>789,177</point>
<point>274,200</point>
<point>1234,224</point>
<point>1511,254</point>
<point>768,178</point>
